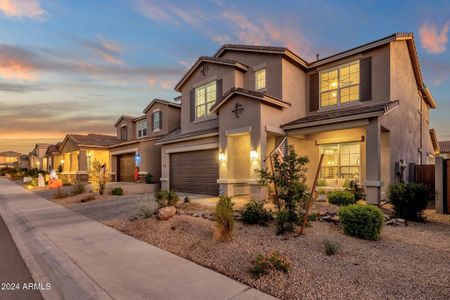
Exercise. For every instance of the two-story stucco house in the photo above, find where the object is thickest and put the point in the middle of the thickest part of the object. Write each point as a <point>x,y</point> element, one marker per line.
<point>365,109</point>
<point>139,136</point>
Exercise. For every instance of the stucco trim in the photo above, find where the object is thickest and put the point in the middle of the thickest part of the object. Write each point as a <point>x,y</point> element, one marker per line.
<point>339,140</point>
<point>328,127</point>
<point>124,151</point>
<point>205,81</point>
<point>224,180</point>
<point>259,67</point>
<point>274,129</point>
<point>192,148</point>
<point>374,183</point>
<point>238,131</point>
<point>194,137</point>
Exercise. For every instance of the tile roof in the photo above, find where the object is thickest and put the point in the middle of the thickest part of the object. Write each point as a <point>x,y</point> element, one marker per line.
<point>176,134</point>
<point>10,154</point>
<point>444,146</point>
<point>95,139</point>
<point>347,112</point>
<point>263,97</point>
<point>162,101</point>
<point>210,59</point>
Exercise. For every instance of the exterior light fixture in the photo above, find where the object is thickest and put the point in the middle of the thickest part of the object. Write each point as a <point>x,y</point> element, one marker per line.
<point>253,154</point>
<point>62,161</point>
<point>89,154</point>
<point>222,156</point>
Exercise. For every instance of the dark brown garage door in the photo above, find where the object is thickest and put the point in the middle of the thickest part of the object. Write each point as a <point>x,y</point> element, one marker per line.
<point>195,172</point>
<point>125,164</point>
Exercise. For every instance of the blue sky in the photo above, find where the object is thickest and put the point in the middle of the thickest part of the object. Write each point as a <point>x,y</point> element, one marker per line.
<point>76,66</point>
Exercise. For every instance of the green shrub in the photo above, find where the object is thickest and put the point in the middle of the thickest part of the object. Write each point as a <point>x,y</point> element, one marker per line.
<point>60,194</point>
<point>118,191</point>
<point>255,213</point>
<point>166,198</point>
<point>146,210</point>
<point>60,169</point>
<point>331,246</point>
<point>311,218</point>
<point>283,222</point>
<point>78,188</point>
<point>321,182</point>
<point>264,263</point>
<point>410,200</point>
<point>224,219</point>
<point>364,221</point>
<point>88,198</point>
<point>148,178</point>
<point>341,198</point>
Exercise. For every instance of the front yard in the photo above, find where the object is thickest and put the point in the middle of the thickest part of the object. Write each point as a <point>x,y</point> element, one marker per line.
<point>407,262</point>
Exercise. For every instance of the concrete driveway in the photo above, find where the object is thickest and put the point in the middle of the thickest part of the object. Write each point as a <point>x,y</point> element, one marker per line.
<point>84,259</point>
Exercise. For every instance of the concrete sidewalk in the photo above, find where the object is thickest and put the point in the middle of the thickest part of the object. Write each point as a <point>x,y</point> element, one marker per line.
<point>83,259</point>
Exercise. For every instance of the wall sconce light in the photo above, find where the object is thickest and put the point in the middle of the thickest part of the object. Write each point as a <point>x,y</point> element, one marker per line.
<point>89,154</point>
<point>253,154</point>
<point>62,161</point>
<point>222,156</point>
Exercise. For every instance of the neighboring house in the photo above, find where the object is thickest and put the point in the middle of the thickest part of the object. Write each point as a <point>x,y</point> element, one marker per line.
<point>444,149</point>
<point>139,136</point>
<point>9,159</point>
<point>24,162</point>
<point>79,151</point>
<point>53,157</point>
<point>365,109</point>
<point>36,157</point>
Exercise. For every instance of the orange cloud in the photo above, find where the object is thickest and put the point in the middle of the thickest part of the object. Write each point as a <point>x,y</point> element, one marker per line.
<point>432,40</point>
<point>16,70</point>
<point>22,8</point>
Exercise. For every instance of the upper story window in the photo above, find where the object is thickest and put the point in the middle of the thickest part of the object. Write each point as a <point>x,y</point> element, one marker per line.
<point>141,127</point>
<point>156,117</point>
<point>123,133</point>
<point>260,79</point>
<point>205,97</point>
<point>339,85</point>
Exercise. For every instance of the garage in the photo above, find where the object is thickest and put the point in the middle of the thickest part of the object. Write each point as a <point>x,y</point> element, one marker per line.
<point>195,172</point>
<point>125,167</point>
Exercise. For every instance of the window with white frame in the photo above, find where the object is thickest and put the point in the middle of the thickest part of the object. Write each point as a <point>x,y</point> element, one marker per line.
<point>260,79</point>
<point>341,161</point>
<point>156,120</point>
<point>205,97</point>
<point>141,128</point>
<point>339,85</point>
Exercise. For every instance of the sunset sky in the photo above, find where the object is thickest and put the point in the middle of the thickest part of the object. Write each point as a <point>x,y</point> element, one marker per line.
<point>76,66</point>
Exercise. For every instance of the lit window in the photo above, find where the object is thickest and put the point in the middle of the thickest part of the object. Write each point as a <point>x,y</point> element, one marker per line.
<point>260,79</point>
<point>341,161</point>
<point>141,128</point>
<point>156,120</point>
<point>339,85</point>
<point>205,97</point>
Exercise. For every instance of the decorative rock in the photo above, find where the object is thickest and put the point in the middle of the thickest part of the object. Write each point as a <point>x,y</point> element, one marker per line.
<point>167,212</point>
<point>335,219</point>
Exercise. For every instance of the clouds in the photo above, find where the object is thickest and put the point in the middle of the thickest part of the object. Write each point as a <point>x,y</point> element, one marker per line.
<point>108,51</point>
<point>22,9</point>
<point>433,40</point>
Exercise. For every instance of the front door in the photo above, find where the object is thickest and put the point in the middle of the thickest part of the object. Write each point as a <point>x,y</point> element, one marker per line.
<point>125,164</point>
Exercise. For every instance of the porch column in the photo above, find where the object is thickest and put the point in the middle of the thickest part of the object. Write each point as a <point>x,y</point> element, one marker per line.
<point>82,162</point>
<point>373,182</point>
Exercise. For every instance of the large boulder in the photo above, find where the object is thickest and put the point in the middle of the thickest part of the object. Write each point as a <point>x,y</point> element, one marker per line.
<point>167,212</point>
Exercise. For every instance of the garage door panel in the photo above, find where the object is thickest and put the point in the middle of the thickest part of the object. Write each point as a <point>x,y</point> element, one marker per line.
<point>195,172</point>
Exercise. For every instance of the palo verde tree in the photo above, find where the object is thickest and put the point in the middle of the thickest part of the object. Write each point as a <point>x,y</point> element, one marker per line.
<point>288,177</point>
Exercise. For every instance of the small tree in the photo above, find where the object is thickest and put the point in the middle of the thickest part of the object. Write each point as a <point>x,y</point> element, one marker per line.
<point>98,176</point>
<point>289,176</point>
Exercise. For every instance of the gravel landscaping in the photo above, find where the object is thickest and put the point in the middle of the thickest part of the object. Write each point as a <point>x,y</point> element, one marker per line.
<point>408,262</point>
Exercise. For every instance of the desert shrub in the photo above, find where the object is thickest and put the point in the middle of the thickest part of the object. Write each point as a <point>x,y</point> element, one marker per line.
<point>148,178</point>
<point>321,182</point>
<point>331,246</point>
<point>283,222</point>
<point>78,188</point>
<point>224,219</point>
<point>166,198</point>
<point>410,200</point>
<point>264,263</point>
<point>311,218</point>
<point>255,213</point>
<point>60,194</point>
<point>88,198</point>
<point>118,191</point>
<point>363,221</point>
<point>145,210</point>
<point>341,198</point>
<point>98,176</point>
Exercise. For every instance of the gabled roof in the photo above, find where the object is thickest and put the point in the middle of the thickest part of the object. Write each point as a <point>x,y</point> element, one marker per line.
<point>444,146</point>
<point>121,118</point>
<point>161,101</point>
<point>341,114</point>
<point>52,149</point>
<point>10,154</point>
<point>264,98</point>
<point>213,60</point>
<point>92,140</point>
<point>434,140</point>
